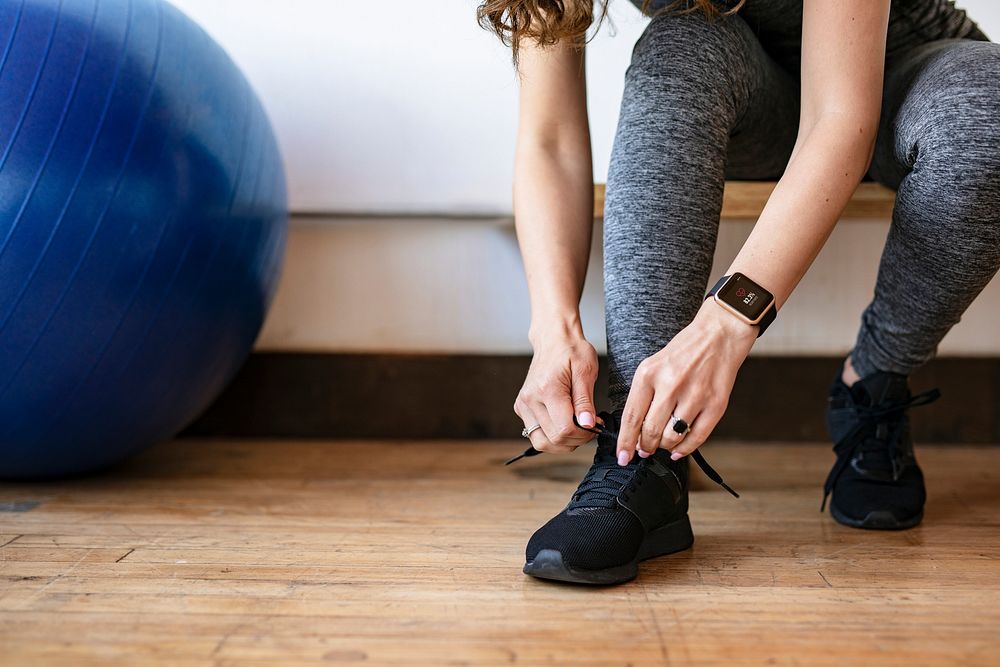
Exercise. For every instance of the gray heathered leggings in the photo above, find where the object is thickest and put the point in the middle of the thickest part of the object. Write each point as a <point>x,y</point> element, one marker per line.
<point>704,102</point>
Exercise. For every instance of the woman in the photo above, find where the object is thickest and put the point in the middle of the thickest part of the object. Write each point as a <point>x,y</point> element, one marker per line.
<point>819,93</point>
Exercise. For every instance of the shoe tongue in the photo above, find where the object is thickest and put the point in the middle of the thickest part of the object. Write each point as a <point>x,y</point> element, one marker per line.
<point>606,451</point>
<point>611,421</point>
<point>873,390</point>
<point>607,443</point>
<point>879,388</point>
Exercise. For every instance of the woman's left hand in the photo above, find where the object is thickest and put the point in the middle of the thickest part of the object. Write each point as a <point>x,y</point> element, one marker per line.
<point>691,378</point>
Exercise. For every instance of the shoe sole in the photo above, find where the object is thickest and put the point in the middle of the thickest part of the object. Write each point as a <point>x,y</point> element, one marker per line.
<point>549,563</point>
<point>876,520</point>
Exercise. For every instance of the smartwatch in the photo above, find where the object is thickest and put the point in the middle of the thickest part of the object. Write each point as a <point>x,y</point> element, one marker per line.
<point>745,299</point>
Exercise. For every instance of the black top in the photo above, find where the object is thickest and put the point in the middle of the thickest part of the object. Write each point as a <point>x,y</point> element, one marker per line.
<point>778,25</point>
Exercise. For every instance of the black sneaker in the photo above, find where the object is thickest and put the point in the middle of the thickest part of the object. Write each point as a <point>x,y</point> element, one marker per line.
<point>618,516</point>
<point>876,482</point>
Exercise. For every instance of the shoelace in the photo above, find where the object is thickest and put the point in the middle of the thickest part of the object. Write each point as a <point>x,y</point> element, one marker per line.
<point>869,417</point>
<point>604,481</point>
<point>600,429</point>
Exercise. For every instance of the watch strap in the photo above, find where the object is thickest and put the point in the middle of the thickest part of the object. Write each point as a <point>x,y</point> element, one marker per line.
<point>769,317</point>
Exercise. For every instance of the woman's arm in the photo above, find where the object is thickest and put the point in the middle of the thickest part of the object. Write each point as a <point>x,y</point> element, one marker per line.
<point>843,54</point>
<point>553,211</point>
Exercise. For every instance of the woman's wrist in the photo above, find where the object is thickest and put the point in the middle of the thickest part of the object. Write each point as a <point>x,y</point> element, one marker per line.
<point>555,327</point>
<point>720,322</point>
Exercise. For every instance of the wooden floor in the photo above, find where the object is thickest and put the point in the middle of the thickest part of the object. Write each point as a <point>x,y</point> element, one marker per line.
<point>217,553</point>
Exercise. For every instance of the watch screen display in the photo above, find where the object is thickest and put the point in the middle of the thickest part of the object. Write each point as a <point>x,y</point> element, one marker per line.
<point>745,296</point>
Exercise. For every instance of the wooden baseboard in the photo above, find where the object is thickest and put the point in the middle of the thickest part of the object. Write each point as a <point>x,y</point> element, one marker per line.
<point>297,395</point>
<point>746,199</point>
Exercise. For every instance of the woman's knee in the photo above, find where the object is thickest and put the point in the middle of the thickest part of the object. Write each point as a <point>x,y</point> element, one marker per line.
<point>952,134</point>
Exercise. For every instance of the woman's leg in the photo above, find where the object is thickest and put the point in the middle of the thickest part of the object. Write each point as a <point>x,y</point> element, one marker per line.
<point>702,102</point>
<point>939,146</point>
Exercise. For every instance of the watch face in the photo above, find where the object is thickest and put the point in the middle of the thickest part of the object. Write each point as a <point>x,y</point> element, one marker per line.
<point>745,296</point>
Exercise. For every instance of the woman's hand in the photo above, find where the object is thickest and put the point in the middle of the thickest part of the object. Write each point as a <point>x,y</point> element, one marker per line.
<point>690,378</point>
<point>559,385</point>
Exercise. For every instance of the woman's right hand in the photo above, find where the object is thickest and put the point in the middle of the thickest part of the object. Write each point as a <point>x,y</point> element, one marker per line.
<point>559,385</point>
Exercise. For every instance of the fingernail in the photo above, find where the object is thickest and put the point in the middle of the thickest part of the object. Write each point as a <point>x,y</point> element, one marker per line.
<point>642,453</point>
<point>676,456</point>
<point>623,457</point>
<point>586,419</point>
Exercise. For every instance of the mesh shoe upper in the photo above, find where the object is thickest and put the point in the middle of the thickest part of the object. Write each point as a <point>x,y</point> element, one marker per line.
<point>590,539</point>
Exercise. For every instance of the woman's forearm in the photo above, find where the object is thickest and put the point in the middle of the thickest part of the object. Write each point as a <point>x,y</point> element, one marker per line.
<point>553,210</point>
<point>800,214</point>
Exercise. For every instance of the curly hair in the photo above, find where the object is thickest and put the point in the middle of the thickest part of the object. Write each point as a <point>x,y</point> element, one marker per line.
<point>547,22</point>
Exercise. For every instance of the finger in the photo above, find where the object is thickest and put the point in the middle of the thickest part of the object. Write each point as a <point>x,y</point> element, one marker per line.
<point>549,429</point>
<point>701,428</point>
<point>636,406</point>
<point>584,375</point>
<point>543,444</point>
<point>565,433</point>
<point>686,410</point>
<point>537,436</point>
<point>651,436</point>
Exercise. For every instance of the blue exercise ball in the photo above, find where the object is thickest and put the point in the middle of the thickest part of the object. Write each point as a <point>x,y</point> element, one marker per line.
<point>143,215</point>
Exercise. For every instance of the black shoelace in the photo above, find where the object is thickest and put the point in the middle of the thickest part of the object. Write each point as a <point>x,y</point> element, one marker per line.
<point>868,418</point>
<point>611,482</point>
<point>604,481</point>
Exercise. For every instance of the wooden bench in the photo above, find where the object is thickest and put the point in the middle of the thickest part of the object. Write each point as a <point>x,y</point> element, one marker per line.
<point>746,199</point>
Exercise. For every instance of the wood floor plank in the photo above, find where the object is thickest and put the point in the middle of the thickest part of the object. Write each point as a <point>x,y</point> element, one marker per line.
<point>301,553</point>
